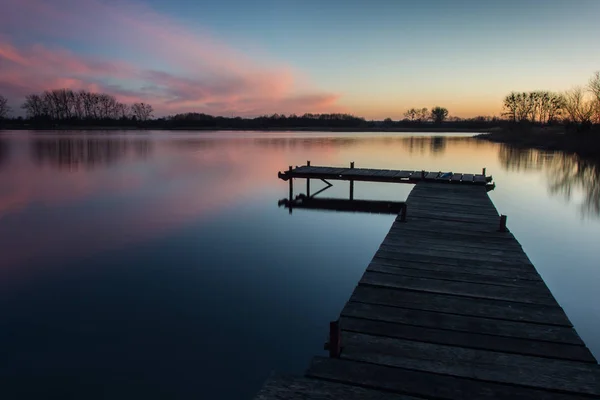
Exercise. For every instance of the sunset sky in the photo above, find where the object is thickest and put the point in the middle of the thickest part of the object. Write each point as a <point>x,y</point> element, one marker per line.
<point>237,57</point>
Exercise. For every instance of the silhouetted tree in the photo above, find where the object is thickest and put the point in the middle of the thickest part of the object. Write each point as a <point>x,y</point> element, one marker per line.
<point>142,111</point>
<point>423,115</point>
<point>4,108</point>
<point>439,114</point>
<point>411,114</point>
<point>579,109</point>
<point>594,88</point>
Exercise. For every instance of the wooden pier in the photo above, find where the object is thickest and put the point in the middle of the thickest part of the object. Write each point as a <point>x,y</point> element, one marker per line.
<point>450,307</point>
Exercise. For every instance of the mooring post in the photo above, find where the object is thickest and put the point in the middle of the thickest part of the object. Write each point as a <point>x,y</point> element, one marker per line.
<point>334,339</point>
<point>351,182</point>
<point>502,224</point>
<point>291,184</point>
<point>308,181</point>
<point>483,172</point>
<point>403,213</point>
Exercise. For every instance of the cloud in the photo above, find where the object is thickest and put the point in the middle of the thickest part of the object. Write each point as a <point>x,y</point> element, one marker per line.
<point>159,61</point>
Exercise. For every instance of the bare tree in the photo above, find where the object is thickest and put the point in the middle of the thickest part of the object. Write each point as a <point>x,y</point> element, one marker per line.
<point>142,111</point>
<point>4,108</point>
<point>411,114</point>
<point>594,88</point>
<point>578,108</point>
<point>423,115</point>
<point>510,106</point>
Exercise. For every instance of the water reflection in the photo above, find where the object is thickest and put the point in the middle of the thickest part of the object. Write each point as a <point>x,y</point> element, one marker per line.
<point>4,150</point>
<point>567,174</point>
<point>518,159</point>
<point>74,152</point>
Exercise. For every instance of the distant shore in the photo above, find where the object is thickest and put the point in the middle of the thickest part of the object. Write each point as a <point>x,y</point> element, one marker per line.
<point>426,129</point>
<point>548,138</point>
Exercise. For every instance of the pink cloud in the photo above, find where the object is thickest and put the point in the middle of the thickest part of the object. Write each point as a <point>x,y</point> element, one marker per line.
<point>175,68</point>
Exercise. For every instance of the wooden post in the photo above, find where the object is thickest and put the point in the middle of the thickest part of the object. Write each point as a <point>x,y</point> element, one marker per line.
<point>291,184</point>
<point>403,213</point>
<point>307,187</point>
<point>423,175</point>
<point>308,163</point>
<point>351,182</point>
<point>334,339</point>
<point>483,172</point>
<point>502,224</point>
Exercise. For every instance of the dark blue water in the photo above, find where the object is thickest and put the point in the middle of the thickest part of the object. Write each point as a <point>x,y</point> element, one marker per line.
<point>158,265</point>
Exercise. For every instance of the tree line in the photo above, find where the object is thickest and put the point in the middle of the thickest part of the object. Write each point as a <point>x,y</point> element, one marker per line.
<point>68,105</point>
<point>579,105</point>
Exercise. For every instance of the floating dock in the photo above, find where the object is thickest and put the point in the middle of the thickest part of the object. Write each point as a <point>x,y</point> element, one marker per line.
<point>450,307</point>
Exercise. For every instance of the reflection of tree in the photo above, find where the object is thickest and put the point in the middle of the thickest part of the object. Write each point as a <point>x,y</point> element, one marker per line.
<point>568,173</point>
<point>72,152</point>
<point>438,144</point>
<point>517,159</point>
<point>4,149</point>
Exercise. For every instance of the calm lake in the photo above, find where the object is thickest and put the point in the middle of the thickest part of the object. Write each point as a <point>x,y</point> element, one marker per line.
<point>159,265</point>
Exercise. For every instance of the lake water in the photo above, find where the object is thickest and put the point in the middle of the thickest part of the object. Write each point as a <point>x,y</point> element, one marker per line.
<point>159,265</point>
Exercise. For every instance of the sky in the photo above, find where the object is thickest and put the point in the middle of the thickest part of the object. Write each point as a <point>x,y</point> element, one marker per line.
<point>373,58</point>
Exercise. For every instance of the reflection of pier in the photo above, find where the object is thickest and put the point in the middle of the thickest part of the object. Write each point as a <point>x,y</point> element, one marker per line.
<point>450,307</point>
<point>365,206</point>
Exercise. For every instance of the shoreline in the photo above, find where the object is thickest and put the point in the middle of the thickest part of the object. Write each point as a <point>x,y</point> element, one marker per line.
<point>548,139</point>
<point>432,129</point>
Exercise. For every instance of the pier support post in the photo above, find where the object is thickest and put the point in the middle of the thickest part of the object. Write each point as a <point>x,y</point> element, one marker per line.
<point>351,183</point>
<point>483,171</point>
<point>291,184</point>
<point>334,339</point>
<point>308,181</point>
<point>502,227</point>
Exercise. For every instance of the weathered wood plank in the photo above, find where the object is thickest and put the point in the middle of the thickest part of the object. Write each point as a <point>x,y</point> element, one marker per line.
<point>489,273</point>
<point>461,323</point>
<point>462,211</point>
<point>531,296</point>
<point>469,339</point>
<point>424,384</point>
<point>536,372</point>
<point>475,237</point>
<point>452,243</point>
<point>456,177</point>
<point>456,276</point>
<point>467,178</point>
<point>300,388</point>
<point>432,175</point>
<point>458,258</point>
<point>468,265</point>
<point>479,178</point>
<point>457,252</point>
<point>453,217</point>
<point>493,309</point>
<point>403,174</point>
